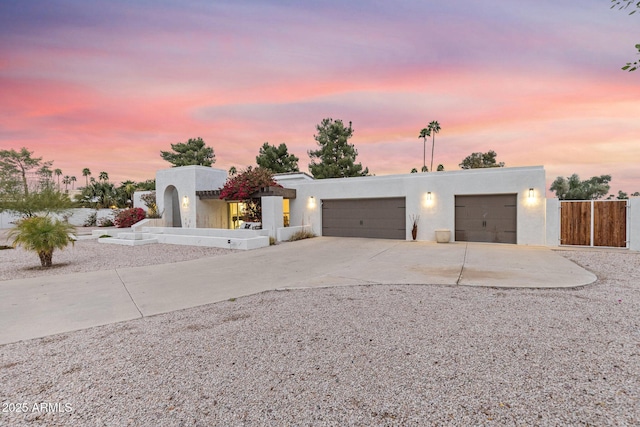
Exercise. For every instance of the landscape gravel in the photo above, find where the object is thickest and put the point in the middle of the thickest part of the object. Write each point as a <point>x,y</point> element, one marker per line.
<point>91,255</point>
<point>353,355</point>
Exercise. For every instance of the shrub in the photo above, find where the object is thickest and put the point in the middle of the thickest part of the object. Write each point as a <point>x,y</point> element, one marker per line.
<point>149,200</point>
<point>302,234</point>
<point>92,220</point>
<point>42,235</point>
<point>105,222</point>
<point>128,217</point>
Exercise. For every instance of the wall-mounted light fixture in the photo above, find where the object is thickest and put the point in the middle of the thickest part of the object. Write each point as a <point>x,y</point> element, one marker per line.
<point>427,199</point>
<point>531,193</point>
<point>312,202</point>
<point>185,202</point>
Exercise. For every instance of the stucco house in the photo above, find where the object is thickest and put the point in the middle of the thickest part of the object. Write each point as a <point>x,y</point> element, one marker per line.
<point>500,205</point>
<point>496,205</point>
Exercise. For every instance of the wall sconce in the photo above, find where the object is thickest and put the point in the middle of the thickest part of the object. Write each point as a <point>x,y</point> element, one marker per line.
<point>185,202</point>
<point>312,202</point>
<point>531,193</point>
<point>427,199</point>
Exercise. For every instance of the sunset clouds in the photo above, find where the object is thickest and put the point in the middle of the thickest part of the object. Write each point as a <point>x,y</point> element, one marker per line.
<point>108,84</point>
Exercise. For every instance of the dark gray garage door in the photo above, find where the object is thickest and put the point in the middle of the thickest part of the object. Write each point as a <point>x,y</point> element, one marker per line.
<point>374,218</point>
<point>490,218</point>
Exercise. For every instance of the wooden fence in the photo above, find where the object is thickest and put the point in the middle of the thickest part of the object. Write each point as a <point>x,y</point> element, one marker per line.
<point>593,223</point>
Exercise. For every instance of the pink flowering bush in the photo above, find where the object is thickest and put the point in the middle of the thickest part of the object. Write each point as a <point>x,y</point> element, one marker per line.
<point>244,184</point>
<point>128,217</point>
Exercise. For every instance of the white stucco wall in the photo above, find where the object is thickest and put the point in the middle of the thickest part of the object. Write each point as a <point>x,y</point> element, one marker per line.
<point>444,186</point>
<point>553,222</point>
<point>272,215</point>
<point>137,200</point>
<point>187,180</point>
<point>633,223</point>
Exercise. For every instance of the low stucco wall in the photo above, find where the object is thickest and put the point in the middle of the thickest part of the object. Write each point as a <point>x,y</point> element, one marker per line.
<point>285,233</point>
<point>77,216</point>
<point>633,224</point>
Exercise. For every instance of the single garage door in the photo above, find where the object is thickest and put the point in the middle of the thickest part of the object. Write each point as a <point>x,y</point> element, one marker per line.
<point>489,218</point>
<point>373,218</point>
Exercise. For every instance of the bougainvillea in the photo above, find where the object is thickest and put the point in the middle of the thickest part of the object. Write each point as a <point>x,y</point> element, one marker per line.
<point>244,184</point>
<point>128,217</point>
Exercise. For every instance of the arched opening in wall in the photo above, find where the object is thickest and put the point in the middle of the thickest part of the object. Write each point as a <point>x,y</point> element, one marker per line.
<point>172,207</point>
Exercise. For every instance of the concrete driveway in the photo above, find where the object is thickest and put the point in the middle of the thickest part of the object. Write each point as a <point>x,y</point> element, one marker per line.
<point>37,307</point>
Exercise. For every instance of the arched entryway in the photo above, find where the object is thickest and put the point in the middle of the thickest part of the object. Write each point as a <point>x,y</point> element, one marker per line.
<point>172,207</point>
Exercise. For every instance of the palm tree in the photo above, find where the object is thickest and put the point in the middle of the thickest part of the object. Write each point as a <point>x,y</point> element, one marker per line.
<point>66,181</point>
<point>103,176</point>
<point>73,180</point>
<point>42,235</point>
<point>58,172</point>
<point>434,127</point>
<point>424,133</point>
<point>86,172</point>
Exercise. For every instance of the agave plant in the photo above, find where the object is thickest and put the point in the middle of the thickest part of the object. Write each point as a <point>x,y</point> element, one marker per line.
<point>42,235</point>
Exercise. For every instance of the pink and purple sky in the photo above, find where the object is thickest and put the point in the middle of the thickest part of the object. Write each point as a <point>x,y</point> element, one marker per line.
<point>108,84</point>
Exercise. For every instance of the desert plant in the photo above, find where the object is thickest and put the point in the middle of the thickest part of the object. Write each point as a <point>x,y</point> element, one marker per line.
<point>92,220</point>
<point>272,240</point>
<point>42,235</point>
<point>149,200</point>
<point>302,234</point>
<point>105,222</point>
<point>128,217</point>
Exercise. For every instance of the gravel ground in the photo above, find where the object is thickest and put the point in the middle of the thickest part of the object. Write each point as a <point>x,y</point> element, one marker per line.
<point>90,255</point>
<point>368,355</point>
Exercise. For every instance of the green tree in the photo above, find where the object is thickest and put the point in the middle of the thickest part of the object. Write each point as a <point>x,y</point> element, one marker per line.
<point>277,159</point>
<point>103,176</point>
<point>148,185</point>
<point>625,4</point>
<point>192,152</point>
<point>86,173</point>
<point>481,160</point>
<point>336,156</point>
<point>571,188</point>
<point>98,195</point>
<point>424,134</point>
<point>66,181</point>
<point>414,170</point>
<point>42,235</point>
<point>57,173</point>
<point>233,171</point>
<point>440,168</point>
<point>434,127</point>
<point>73,182</point>
<point>16,165</point>
<point>44,200</point>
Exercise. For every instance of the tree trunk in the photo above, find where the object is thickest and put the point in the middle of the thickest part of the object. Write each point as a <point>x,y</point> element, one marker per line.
<point>45,258</point>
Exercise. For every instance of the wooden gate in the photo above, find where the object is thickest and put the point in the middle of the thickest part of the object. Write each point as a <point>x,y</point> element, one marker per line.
<point>593,223</point>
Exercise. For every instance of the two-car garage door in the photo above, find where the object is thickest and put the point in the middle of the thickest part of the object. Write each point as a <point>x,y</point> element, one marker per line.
<point>380,218</point>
